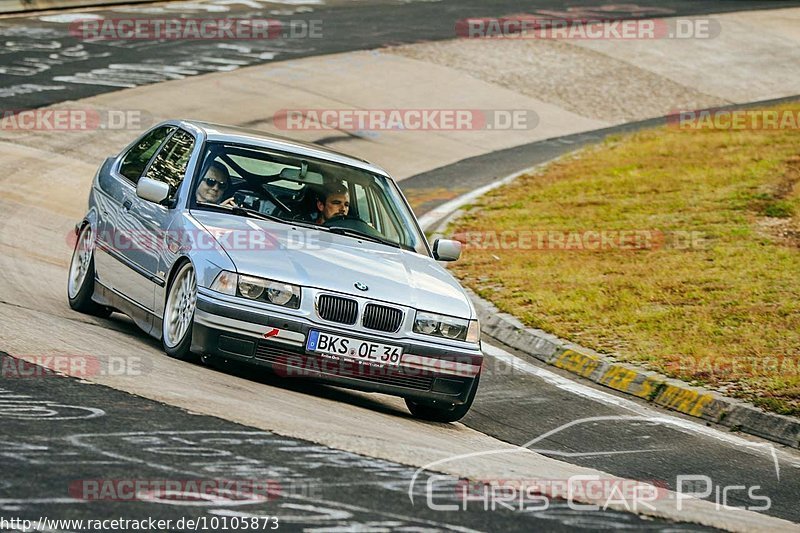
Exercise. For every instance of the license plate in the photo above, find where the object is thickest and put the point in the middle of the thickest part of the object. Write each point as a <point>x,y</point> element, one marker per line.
<point>364,351</point>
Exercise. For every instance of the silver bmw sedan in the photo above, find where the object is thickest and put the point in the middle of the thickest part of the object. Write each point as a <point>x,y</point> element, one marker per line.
<point>233,244</point>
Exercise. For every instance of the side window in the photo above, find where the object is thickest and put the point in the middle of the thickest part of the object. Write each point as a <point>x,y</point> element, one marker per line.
<point>135,161</point>
<point>170,164</point>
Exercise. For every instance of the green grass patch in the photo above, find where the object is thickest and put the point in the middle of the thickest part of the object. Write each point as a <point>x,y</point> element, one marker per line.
<point>708,291</point>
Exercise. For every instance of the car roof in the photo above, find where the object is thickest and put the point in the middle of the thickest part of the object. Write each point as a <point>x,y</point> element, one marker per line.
<point>234,134</point>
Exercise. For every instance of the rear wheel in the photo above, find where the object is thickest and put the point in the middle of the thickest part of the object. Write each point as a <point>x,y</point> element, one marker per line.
<point>80,285</point>
<point>176,330</point>
<point>442,412</point>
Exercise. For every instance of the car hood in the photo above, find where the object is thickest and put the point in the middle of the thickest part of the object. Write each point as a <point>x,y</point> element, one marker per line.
<point>313,258</point>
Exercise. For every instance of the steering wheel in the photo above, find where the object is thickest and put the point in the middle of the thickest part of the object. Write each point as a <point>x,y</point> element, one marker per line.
<point>353,223</point>
<point>240,195</point>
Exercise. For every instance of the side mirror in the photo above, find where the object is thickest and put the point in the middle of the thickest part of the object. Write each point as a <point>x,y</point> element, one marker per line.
<point>446,250</point>
<point>152,190</point>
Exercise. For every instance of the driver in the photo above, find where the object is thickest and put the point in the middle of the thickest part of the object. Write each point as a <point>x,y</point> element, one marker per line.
<point>213,185</point>
<point>333,201</point>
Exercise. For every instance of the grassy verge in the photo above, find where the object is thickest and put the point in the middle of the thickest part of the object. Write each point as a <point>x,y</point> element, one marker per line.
<point>427,198</point>
<point>676,249</point>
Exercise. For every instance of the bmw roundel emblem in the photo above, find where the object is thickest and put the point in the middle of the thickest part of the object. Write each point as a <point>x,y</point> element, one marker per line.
<point>360,286</point>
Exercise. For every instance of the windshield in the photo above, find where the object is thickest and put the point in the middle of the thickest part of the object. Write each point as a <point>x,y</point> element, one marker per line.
<point>251,181</point>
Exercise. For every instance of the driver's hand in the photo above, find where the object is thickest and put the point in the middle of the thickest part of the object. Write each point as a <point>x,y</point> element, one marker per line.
<point>230,202</point>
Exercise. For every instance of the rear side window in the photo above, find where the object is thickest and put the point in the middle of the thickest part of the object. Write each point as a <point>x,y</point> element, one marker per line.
<point>170,164</point>
<point>135,161</point>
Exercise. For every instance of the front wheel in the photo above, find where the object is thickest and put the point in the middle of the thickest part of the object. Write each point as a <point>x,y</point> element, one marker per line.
<point>80,285</point>
<point>442,412</point>
<point>176,330</point>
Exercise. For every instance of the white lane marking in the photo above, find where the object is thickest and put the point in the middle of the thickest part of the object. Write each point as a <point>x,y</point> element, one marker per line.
<point>70,17</point>
<point>28,88</point>
<point>595,454</point>
<point>585,391</point>
<point>448,208</point>
<point>45,412</point>
<point>40,500</point>
<point>561,382</point>
<point>26,408</point>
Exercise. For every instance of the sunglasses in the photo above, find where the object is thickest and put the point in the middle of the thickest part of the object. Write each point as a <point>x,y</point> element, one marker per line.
<point>220,184</point>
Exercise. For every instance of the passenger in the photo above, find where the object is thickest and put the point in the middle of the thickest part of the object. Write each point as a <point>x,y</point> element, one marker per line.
<point>213,186</point>
<point>333,201</point>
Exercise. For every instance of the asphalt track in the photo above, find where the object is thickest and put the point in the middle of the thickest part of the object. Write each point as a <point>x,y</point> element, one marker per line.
<point>330,489</point>
<point>98,433</point>
<point>42,64</point>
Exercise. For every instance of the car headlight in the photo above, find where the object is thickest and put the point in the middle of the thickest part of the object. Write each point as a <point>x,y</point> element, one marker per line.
<point>447,327</point>
<point>253,288</point>
<point>426,323</point>
<point>274,292</point>
<point>453,328</point>
<point>283,293</point>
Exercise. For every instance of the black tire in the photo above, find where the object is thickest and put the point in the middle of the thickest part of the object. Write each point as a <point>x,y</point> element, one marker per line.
<point>178,346</point>
<point>442,412</point>
<point>80,295</point>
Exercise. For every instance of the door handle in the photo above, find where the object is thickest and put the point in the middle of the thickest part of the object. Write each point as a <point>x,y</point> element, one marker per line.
<point>127,204</point>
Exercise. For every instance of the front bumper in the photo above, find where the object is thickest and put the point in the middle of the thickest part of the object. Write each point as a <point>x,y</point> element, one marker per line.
<point>278,341</point>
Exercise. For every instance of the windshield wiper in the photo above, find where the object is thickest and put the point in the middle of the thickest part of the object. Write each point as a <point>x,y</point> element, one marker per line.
<point>309,225</point>
<point>361,235</point>
<point>243,211</point>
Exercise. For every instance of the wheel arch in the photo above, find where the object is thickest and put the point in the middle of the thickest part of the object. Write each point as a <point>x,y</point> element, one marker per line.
<point>173,271</point>
<point>90,218</point>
